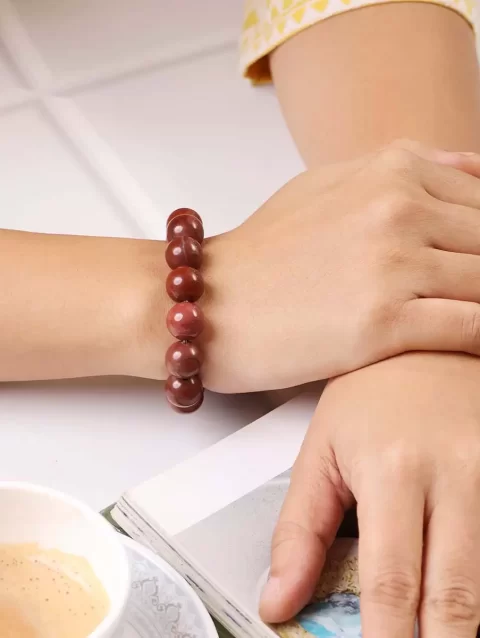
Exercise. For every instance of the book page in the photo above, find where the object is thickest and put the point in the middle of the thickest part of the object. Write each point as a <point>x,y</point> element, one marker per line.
<point>220,475</point>
<point>213,518</point>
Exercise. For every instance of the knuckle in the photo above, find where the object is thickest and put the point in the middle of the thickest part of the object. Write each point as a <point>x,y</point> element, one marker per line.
<point>395,207</point>
<point>397,158</point>
<point>406,144</point>
<point>398,589</point>
<point>400,462</point>
<point>324,471</point>
<point>287,532</point>
<point>471,332</point>
<point>458,603</point>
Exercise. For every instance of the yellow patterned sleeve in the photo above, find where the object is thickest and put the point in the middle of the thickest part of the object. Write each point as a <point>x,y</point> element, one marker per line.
<point>268,23</point>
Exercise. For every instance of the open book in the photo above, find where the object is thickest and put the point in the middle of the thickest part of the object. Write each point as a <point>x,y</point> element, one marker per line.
<point>212,519</point>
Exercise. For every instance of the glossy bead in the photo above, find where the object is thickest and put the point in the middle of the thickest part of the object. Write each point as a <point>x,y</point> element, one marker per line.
<point>184,251</point>
<point>185,395</point>
<point>185,284</point>
<point>190,409</point>
<point>183,211</point>
<point>185,321</point>
<point>183,360</point>
<point>185,226</point>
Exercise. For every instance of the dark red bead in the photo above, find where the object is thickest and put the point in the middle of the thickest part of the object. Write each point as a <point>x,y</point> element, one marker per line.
<point>185,395</point>
<point>183,360</point>
<point>183,211</point>
<point>184,251</point>
<point>185,226</point>
<point>189,410</point>
<point>185,284</point>
<point>185,321</point>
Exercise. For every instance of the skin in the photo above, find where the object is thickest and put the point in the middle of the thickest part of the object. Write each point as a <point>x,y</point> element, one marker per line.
<point>97,302</point>
<point>401,437</point>
<point>80,306</point>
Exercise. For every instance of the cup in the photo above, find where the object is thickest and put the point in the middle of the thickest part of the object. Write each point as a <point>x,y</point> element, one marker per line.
<point>34,514</point>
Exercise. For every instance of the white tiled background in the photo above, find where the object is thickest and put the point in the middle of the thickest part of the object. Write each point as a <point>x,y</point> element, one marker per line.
<point>112,114</point>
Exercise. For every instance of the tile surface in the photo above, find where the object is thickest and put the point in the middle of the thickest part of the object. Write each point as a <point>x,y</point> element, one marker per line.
<point>113,113</point>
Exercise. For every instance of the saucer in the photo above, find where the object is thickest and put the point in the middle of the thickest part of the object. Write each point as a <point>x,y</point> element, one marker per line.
<point>161,603</point>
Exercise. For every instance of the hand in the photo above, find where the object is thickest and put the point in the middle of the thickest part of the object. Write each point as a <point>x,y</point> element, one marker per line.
<point>402,438</point>
<point>345,266</point>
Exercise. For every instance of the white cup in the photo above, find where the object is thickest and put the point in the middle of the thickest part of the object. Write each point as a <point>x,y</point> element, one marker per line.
<point>33,514</point>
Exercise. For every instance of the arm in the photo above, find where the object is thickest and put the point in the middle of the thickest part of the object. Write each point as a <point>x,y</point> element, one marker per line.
<point>357,81</point>
<point>416,78</point>
<point>76,306</point>
<point>80,306</point>
<point>55,322</point>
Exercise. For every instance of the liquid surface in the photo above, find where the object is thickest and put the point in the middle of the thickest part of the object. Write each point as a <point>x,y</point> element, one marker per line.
<point>48,594</point>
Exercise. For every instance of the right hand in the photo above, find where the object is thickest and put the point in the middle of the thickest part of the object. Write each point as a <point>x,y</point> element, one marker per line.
<point>345,266</point>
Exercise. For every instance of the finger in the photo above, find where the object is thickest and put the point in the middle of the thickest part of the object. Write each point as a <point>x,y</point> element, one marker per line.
<point>465,162</point>
<point>390,517</point>
<point>308,522</point>
<point>436,324</point>
<point>452,276</point>
<point>451,597</point>
<point>449,184</point>
<point>455,228</point>
<point>462,161</point>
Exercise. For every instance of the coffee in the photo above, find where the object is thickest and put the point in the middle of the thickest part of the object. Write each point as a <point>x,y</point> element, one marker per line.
<point>48,594</point>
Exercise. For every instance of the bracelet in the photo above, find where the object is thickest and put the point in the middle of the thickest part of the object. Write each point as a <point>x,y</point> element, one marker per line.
<point>185,321</point>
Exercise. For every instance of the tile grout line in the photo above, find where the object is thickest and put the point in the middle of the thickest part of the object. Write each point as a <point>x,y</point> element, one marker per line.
<point>158,59</point>
<point>137,206</point>
<point>24,56</point>
<point>122,187</point>
<point>16,102</point>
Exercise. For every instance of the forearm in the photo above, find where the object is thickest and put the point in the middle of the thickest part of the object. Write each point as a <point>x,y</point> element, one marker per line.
<point>81,306</point>
<point>357,81</point>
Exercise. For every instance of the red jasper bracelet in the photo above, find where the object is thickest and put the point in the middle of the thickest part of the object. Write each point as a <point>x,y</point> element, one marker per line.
<point>185,320</point>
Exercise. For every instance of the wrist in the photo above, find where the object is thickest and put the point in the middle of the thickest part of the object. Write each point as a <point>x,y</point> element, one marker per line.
<point>143,302</point>
<point>227,339</point>
<point>146,304</point>
<point>408,367</point>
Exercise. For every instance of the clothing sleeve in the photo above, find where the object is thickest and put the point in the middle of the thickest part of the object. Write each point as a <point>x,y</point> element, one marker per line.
<point>268,23</point>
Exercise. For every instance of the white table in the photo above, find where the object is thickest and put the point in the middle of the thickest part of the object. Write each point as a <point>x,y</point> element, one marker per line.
<point>112,114</point>
<point>96,438</point>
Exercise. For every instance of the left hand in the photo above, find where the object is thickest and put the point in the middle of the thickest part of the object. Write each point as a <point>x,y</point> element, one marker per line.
<point>402,438</point>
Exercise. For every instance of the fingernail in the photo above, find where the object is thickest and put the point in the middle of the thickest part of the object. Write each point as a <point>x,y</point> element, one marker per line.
<point>271,589</point>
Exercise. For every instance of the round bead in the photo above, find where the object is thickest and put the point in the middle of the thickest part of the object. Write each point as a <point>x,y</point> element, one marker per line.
<point>184,251</point>
<point>183,211</point>
<point>185,395</point>
<point>192,408</point>
<point>185,226</point>
<point>185,321</point>
<point>185,284</point>
<point>183,360</point>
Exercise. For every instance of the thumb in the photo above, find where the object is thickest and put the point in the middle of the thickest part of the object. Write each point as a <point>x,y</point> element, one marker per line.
<point>308,522</point>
